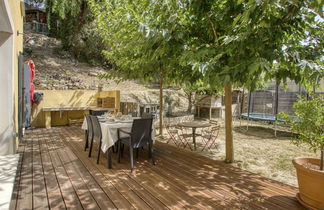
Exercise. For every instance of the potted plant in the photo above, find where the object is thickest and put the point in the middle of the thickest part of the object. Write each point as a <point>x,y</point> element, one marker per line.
<point>309,125</point>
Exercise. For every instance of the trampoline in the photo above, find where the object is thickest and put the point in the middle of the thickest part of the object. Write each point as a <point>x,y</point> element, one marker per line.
<point>260,117</point>
<point>264,104</point>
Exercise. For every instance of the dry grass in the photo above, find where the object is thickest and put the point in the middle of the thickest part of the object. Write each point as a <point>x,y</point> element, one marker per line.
<point>259,151</point>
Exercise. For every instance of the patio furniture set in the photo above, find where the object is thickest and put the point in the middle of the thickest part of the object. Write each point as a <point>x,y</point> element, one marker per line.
<point>113,132</point>
<point>181,135</point>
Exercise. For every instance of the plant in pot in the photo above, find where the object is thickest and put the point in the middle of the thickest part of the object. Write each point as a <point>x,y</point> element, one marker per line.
<point>309,125</point>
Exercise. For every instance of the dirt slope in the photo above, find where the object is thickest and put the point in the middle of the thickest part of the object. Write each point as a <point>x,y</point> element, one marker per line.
<point>57,70</point>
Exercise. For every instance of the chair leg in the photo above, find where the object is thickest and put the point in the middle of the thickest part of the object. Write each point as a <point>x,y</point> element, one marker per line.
<point>86,140</point>
<point>99,149</point>
<point>109,158</point>
<point>149,151</point>
<point>119,151</point>
<point>136,153</point>
<point>131,157</point>
<point>152,154</point>
<point>91,145</point>
<point>122,150</point>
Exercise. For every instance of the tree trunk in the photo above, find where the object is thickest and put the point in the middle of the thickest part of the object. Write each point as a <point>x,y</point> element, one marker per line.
<point>161,103</point>
<point>189,103</point>
<point>79,23</point>
<point>322,160</point>
<point>228,124</point>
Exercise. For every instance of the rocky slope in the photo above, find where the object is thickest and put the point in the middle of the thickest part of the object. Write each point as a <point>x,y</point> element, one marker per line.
<point>57,70</point>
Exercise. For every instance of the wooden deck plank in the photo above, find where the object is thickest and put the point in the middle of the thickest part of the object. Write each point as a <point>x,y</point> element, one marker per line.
<point>116,197</point>
<point>54,194</point>
<point>110,174</point>
<point>274,204</point>
<point>85,196</point>
<point>174,192</point>
<point>123,189</point>
<point>118,178</point>
<point>98,193</point>
<point>40,200</point>
<point>181,179</point>
<point>249,180</point>
<point>69,195</point>
<point>15,191</point>
<point>25,195</point>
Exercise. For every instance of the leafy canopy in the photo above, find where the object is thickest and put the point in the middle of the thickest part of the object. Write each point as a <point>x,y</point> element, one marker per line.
<point>145,38</point>
<point>218,41</point>
<point>245,42</point>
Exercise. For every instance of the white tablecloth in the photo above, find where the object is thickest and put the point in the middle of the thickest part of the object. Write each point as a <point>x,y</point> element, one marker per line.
<point>109,132</point>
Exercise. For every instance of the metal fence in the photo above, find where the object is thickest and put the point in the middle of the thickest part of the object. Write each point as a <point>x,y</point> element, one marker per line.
<point>36,27</point>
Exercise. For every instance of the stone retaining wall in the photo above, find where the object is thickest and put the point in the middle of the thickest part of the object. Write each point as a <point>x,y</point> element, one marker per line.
<point>175,120</point>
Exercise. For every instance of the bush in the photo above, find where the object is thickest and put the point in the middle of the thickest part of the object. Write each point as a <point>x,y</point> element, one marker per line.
<point>309,123</point>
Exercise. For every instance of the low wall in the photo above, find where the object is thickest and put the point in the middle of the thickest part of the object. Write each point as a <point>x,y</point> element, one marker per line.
<point>68,98</point>
<point>175,120</point>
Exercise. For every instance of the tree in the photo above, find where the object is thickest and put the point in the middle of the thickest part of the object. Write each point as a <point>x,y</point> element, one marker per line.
<point>66,19</point>
<point>240,42</point>
<point>227,42</point>
<point>145,40</point>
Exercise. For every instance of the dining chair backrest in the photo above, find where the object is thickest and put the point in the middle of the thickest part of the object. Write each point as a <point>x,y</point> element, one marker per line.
<point>89,125</point>
<point>141,132</point>
<point>96,127</point>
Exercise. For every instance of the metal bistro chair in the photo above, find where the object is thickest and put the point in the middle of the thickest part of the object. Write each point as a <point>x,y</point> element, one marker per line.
<point>175,135</point>
<point>139,136</point>
<point>209,138</point>
<point>89,132</point>
<point>185,137</point>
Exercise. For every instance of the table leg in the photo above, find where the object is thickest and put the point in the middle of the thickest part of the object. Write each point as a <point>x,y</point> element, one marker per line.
<point>194,137</point>
<point>48,120</point>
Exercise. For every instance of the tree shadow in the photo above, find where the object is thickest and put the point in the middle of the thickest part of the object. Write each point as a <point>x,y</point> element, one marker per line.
<point>189,180</point>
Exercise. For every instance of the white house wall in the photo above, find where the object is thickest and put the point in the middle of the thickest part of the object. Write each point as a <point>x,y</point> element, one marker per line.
<point>6,82</point>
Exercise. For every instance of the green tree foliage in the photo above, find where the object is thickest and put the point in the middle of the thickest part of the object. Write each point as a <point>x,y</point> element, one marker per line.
<point>244,42</point>
<point>145,39</point>
<point>71,22</point>
<point>221,42</point>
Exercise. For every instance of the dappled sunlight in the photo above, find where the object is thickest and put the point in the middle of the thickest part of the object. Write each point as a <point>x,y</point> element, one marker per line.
<point>181,179</point>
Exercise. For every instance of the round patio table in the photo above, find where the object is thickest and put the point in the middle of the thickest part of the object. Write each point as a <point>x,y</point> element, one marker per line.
<point>194,125</point>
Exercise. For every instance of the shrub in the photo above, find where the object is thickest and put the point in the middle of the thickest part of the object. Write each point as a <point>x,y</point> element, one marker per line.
<point>308,123</point>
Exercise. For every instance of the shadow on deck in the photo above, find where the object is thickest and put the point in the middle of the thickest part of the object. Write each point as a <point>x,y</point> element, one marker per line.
<point>55,172</point>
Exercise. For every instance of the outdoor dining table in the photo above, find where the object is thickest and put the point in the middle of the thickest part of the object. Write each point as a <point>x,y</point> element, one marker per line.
<point>109,131</point>
<point>194,125</point>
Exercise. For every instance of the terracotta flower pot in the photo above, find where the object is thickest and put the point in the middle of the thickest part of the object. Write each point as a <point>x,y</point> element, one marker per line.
<point>311,183</point>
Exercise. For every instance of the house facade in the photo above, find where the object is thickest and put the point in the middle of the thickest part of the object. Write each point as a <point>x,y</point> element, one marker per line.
<point>11,47</point>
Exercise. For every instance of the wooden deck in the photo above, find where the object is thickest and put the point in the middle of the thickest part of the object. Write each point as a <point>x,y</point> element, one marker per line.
<point>56,173</point>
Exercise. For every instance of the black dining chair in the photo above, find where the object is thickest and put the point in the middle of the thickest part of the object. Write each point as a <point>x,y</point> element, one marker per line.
<point>88,132</point>
<point>140,136</point>
<point>96,135</point>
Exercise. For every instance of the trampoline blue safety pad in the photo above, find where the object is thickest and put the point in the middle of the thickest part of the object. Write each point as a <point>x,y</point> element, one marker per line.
<point>260,117</point>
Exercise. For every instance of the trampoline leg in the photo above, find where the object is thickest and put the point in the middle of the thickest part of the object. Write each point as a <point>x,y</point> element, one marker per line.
<point>275,128</point>
<point>247,124</point>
